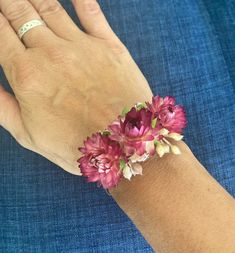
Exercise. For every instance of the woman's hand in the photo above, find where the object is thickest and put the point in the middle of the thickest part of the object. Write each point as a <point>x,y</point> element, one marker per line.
<point>67,83</point>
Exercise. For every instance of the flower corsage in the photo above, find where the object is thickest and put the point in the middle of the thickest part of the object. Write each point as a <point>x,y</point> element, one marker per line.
<point>136,135</point>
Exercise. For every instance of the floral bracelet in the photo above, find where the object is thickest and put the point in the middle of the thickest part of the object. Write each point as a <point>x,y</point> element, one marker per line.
<point>136,135</point>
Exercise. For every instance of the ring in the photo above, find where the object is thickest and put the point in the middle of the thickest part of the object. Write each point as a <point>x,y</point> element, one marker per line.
<point>28,26</point>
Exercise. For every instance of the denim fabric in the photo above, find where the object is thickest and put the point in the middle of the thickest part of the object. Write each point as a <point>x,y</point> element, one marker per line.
<point>185,49</point>
<point>222,15</point>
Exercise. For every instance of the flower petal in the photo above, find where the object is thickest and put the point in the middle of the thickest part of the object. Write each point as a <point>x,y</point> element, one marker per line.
<point>175,150</point>
<point>127,172</point>
<point>149,147</point>
<point>136,158</point>
<point>166,148</point>
<point>163,132</point>
<point>160,149</point>
<point>175,136</point>
<point>137,169</point>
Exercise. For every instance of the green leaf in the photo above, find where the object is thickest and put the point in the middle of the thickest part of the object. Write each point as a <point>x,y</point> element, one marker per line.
<point>156,142</point>
<point>139,106</point>
<point>125,111</point>
<point>154,123</point>
<point>122,164</point>
<point>106,133</point>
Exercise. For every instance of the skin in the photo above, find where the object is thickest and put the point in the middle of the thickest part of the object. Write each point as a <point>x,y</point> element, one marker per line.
<point>68,84</point>
<point>62,92</point>
<point>178,206</point>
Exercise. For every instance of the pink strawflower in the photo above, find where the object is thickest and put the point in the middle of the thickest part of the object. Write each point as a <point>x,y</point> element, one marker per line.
<point>134,132</point>
<point>170,116</point>
<point>101,160</point>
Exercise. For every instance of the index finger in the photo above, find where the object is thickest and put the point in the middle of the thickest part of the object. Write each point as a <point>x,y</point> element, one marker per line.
<point>10,44</point>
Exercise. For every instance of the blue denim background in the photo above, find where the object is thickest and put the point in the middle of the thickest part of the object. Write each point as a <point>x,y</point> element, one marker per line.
<point>185,48</point>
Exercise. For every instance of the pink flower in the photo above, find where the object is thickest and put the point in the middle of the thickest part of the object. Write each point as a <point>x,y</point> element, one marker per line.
<point>169,115</point>
<point>134,132</point>
<point>157,101</point>
<point>101,160</point>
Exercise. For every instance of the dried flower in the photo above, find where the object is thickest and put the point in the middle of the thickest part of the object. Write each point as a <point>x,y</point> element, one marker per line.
<point>137,134</point>
<point>101,160</point>
<point>170,116</point>
<point>134,131</point>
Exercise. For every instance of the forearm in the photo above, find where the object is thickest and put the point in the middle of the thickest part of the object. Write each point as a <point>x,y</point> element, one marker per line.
<point>178,207</point>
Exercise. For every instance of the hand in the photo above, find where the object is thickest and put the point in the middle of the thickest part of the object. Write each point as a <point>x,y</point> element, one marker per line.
<point>67,83</point>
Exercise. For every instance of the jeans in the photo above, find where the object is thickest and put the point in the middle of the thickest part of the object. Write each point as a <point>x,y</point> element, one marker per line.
<point>185,48</point>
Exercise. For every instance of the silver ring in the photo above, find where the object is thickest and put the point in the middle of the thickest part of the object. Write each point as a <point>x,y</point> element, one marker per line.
<point>28,26</point>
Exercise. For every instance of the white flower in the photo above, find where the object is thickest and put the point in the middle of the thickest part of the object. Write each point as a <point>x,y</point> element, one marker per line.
<point>137,169</point>
<point>132,169</point>
<point>166,148</point>
<point>136,158</point>
<point>160,149</point>
<point>175,150</point>
<point>163,132</point>
<point>175,136</point>
<point>127,173</point>
<point>149,146</point>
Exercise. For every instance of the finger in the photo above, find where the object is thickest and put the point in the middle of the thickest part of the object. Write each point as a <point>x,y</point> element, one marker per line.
<point>10,117</point>
<point>93,19</point>
<point>10,45</point>
<point>56,18</point>
<point>19,12</point>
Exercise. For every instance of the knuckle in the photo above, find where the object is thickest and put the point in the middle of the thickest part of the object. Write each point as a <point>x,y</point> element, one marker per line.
<point>49,7</point>
<point>91,6</point>
<point>17,9</point>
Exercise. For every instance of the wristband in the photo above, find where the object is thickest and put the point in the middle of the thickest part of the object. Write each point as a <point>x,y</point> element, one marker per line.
<point>136,135</point>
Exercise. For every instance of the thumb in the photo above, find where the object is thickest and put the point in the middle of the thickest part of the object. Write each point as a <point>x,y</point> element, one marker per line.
<point>10,116</point>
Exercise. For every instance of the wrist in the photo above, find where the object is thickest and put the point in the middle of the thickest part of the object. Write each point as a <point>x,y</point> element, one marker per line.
<point>156,175</point>
<point>176,204</point>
